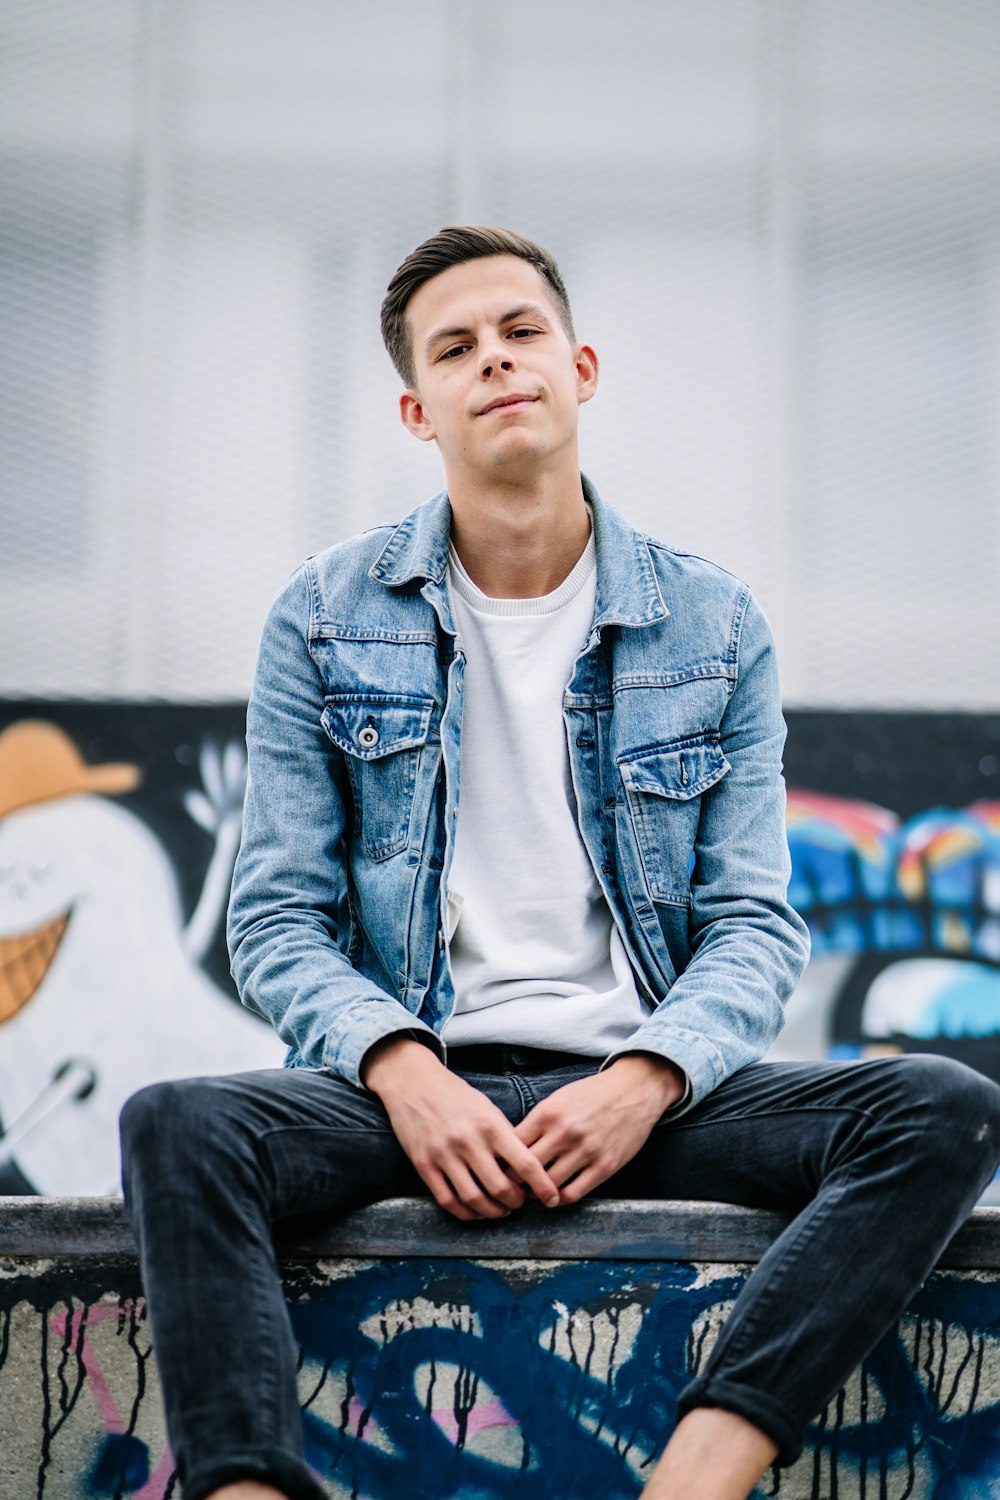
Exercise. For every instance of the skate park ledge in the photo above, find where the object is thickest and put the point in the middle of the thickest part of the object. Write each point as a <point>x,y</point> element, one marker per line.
<point>534,1357</point>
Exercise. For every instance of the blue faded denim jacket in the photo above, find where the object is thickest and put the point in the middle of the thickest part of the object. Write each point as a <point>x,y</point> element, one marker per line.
<point>673,722</point>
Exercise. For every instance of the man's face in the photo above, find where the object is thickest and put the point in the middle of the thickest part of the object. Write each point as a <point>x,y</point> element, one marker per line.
<point>498,383</point>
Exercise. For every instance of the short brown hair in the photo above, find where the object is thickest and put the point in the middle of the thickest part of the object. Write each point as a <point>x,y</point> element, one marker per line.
<point>452,247</point>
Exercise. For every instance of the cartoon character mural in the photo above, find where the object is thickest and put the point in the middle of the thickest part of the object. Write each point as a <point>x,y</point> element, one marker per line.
<point>101,990</point>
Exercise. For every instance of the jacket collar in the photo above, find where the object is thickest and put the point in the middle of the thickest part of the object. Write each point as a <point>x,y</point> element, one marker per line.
<point>628,592</point>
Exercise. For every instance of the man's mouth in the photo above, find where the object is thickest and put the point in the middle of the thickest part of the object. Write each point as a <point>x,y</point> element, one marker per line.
<point>508,403</point>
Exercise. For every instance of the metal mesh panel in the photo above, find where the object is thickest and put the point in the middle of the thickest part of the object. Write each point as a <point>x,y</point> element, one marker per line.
<point>780,226</point>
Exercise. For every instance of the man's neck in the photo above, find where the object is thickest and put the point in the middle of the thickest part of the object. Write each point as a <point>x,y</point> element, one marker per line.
<point>520,542</point>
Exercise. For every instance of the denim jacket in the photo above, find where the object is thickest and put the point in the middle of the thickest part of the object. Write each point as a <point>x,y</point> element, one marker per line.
<point>338,918</point>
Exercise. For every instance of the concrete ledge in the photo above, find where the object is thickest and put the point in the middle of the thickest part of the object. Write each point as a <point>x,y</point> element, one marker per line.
<point>532,1359</point>
<point>404,1228</point>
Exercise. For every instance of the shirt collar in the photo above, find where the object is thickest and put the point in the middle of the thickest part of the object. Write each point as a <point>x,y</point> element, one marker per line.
<point>628,592</point>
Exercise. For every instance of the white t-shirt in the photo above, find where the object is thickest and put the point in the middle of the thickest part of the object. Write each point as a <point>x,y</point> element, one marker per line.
<point>535,954</point>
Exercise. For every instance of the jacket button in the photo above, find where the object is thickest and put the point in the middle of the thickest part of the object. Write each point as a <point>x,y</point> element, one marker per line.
<point>368,737</point>
<point>608,869</point>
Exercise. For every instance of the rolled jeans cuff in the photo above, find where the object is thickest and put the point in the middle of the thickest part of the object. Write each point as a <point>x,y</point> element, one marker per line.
<point>773,1419</point>
<point>285,1471</point>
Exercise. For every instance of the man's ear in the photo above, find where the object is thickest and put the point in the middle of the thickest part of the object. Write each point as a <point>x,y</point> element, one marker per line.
<point>414,417</point>
<point>588,369</point>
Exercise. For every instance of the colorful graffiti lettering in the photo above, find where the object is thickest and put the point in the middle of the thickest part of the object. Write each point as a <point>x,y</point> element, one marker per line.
<point>863,879</point>
<point>914,906</point>
<point>494,1380</point>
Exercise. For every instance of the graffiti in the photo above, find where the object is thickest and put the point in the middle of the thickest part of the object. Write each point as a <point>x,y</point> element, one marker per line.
<point>905,922</point>
<point>101,988</point>
<point>894,831</point>
<point>492,1380</point>
<point>864,879</point>
<point>118,830</point>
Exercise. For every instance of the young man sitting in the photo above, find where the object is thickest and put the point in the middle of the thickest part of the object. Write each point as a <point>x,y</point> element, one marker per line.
<point>513,890</point>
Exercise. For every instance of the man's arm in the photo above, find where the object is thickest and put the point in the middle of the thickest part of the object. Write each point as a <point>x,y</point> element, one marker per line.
<point>288,925</point>
<point>289,917</point>
<point>749,945</point>
<point>749,948</point>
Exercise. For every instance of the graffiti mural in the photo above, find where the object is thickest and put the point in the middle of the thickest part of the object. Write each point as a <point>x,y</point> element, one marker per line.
<point>914,908</point>
<point>894,830</point>
<point>118,829</point>
<point>494,1379</point>
<point>102,985</point>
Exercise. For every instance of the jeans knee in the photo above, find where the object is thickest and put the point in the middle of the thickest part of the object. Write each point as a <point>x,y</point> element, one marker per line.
<point>162,1119</point>
<point>945,1087</point>
<point>951,1103</point>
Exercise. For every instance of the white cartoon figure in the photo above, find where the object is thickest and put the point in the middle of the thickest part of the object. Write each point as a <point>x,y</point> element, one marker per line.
<point>100,992</point>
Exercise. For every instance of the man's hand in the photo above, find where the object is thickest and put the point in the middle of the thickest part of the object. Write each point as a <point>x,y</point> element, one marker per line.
<point>587,1130</point>
<point>459,1142</point>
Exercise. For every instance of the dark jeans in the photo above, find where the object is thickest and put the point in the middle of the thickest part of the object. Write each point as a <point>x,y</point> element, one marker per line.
<point>881,1160</point>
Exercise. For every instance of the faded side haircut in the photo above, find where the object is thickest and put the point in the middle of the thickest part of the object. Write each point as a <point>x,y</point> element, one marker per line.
<point>452,247</point>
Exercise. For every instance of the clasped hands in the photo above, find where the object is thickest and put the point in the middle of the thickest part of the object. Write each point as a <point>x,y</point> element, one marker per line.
<point>478,1165</point>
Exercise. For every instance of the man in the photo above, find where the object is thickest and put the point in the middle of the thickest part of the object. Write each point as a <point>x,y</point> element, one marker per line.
<point>513,890</point>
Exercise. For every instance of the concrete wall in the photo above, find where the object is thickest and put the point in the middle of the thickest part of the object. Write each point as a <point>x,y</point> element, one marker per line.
<point>440,1370</point>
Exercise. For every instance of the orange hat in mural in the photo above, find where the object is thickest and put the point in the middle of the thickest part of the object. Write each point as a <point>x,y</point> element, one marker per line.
<point>39,762</point>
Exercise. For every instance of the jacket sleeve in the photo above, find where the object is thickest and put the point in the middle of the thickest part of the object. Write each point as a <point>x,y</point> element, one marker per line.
<point>289,914</point>
<point>748,945</point>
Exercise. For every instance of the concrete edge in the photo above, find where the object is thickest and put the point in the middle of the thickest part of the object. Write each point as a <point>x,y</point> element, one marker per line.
<point>611,1229</point>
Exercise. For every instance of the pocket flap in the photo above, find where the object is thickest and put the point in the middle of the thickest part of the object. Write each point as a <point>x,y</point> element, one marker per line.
<point>680,772</point>
<point>374,726</point>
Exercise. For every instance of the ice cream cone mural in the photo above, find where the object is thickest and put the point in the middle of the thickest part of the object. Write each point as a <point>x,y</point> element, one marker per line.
<point>101,991</point>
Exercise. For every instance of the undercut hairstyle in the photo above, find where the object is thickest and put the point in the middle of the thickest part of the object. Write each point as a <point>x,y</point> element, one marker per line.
<point>452,247</point>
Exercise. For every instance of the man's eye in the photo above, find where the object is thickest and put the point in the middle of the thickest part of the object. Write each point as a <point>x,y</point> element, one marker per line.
<point>522,333</point>
<point>455,349</point>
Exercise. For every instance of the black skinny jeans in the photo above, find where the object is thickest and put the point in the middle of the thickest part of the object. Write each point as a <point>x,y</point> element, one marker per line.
<point>881,1160</point>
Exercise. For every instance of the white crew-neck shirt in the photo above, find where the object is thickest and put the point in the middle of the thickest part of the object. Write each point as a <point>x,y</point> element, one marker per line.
<point>535,955</point>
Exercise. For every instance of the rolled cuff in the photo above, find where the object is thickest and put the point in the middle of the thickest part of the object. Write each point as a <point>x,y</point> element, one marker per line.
<point>695,1055</point>
<point>285,1471</point>
<point>360,1025</point>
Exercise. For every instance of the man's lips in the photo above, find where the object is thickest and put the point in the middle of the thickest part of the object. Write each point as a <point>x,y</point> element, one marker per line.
<point>505,401</point>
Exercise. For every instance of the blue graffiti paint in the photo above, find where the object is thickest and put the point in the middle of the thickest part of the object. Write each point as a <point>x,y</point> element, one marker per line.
<point>571,1421</point>
<point>120,1468</point>
<point>574,1429</point>
<point>577,1430</point>
<point>865,883</point>
<point>968,1005</point>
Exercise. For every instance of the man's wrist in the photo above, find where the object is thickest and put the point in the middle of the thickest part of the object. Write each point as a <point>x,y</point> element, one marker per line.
<point>658,1072</point>
<point>392,1056</point>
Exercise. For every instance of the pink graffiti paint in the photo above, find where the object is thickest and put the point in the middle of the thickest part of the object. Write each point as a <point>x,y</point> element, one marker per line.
<point>107,1406</point>
<point>489,1414</point>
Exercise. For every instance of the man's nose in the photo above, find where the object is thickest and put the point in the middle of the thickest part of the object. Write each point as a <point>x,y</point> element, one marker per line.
<point>493,360</point>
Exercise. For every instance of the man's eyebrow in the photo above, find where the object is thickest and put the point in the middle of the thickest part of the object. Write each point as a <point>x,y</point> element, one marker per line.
<point>525,310</point>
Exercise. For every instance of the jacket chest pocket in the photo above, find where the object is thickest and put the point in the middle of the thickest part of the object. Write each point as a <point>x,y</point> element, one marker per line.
<point>663,789</point>
<point>381,737</point>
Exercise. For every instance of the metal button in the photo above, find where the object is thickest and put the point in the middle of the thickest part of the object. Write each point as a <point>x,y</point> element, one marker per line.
<point>368,737</point>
